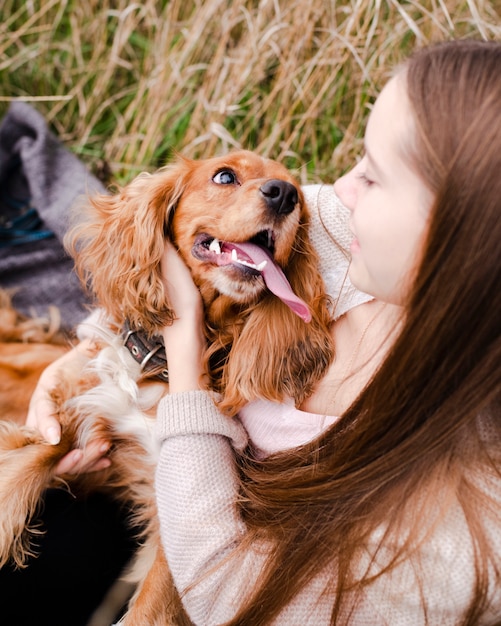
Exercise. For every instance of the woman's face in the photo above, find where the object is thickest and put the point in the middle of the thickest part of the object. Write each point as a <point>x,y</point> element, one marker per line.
<point>388,201</point>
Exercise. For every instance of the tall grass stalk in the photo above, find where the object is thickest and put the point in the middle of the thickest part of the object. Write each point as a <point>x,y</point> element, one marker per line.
<point>129,83</point>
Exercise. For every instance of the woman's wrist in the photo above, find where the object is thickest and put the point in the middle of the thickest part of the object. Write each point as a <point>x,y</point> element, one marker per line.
<point>184,347</point>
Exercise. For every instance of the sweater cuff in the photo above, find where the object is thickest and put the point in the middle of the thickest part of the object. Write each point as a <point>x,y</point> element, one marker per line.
<point>194,413</point>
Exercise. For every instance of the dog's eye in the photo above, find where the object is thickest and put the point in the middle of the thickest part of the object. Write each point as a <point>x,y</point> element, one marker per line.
<point>225,177</point>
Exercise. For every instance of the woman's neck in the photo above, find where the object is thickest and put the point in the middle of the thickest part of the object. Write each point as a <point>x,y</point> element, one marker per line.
<point>362,337</point>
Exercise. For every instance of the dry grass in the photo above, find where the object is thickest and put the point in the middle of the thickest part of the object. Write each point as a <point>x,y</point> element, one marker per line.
<point>129,82</point>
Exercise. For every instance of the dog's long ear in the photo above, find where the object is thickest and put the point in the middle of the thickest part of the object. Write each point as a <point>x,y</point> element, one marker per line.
<point>278,354</point>
<point>117,243</point>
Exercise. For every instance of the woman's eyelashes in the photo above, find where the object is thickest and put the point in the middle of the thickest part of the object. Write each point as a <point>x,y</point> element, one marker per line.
<point>366,181</point>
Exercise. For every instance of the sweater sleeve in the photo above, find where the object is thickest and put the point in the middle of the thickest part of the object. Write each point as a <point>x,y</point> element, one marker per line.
<point>197,491</point>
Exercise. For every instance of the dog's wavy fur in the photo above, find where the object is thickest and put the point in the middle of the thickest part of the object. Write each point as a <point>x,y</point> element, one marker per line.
<point>257,347</point>
<point>21,364</point>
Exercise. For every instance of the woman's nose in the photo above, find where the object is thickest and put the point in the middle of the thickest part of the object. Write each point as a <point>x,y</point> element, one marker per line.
<point>346,191</point>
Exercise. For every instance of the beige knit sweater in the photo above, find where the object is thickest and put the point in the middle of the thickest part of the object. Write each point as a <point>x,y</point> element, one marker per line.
<point>197,490</point>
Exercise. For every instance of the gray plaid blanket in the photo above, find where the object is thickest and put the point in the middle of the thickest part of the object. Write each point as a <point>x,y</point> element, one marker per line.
<point>40,180</point>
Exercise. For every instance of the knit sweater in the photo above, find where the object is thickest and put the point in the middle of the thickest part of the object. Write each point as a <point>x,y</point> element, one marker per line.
<point>197,489</point>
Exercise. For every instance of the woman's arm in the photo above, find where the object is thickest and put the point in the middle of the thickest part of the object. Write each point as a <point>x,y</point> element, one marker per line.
<point>196,480</point>
<point>197,493</point>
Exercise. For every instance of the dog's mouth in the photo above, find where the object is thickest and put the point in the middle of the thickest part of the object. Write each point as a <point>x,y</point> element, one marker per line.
<point>213,250</point>
<point>253,257</point>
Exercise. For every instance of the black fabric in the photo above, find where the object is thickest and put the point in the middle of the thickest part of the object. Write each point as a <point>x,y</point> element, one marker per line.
<point>82,551</point>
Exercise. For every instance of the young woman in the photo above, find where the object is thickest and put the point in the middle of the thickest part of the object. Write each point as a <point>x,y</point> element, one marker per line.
<point>388,509</point>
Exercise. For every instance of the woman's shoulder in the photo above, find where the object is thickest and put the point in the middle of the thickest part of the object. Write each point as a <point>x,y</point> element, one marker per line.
<point>450,529</point>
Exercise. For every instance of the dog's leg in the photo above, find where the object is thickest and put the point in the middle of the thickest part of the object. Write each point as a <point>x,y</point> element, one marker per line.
<point>156,601</point>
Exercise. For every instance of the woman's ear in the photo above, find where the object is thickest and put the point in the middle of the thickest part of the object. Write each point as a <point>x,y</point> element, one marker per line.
<point>118,243</point>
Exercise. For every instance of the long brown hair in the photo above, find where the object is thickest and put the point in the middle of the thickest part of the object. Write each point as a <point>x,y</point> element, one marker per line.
<point>404,453</point>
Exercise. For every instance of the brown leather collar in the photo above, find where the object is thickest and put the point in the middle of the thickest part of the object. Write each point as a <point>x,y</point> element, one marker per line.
<point>148,351</point>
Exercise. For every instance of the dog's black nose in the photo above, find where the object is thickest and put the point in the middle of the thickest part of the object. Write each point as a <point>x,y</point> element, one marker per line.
<point>281,196</point>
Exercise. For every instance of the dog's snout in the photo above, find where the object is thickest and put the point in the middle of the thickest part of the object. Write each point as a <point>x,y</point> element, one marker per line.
<point>280,196</point>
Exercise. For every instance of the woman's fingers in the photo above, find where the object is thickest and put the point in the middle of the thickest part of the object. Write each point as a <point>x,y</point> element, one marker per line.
<point>41,415</point>
<point>184,339</point>
<point>89,459</point>
<point>182,292</point>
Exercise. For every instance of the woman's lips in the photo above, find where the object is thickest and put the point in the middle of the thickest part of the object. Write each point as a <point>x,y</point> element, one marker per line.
<point>354,246</point>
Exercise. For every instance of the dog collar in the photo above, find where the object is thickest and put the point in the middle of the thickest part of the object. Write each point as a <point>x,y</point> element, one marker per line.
<point>148,351</point>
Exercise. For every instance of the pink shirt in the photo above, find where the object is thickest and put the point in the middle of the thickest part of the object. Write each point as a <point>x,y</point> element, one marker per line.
<point>273,427</point>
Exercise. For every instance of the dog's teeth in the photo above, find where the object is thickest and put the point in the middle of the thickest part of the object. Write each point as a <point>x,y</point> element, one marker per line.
<point>215,246</point>
<point>235,259</point>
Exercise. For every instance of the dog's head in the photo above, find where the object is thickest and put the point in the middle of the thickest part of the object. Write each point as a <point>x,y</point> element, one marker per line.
<point>237,224</point>
<point>240,224</point>
<point>236,220</point>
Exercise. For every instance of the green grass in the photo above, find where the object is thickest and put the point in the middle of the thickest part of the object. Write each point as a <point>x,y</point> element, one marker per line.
<point>128,84</point>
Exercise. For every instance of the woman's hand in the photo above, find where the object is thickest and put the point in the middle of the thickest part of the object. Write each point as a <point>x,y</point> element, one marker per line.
<point>82,461</point>
<point>184,338</point>
<point>41,416</point>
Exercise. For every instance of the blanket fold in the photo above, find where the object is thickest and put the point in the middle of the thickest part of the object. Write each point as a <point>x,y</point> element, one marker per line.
<point>40,180</point>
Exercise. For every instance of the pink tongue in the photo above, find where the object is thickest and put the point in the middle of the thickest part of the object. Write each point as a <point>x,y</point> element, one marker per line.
<point>274,278</point>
